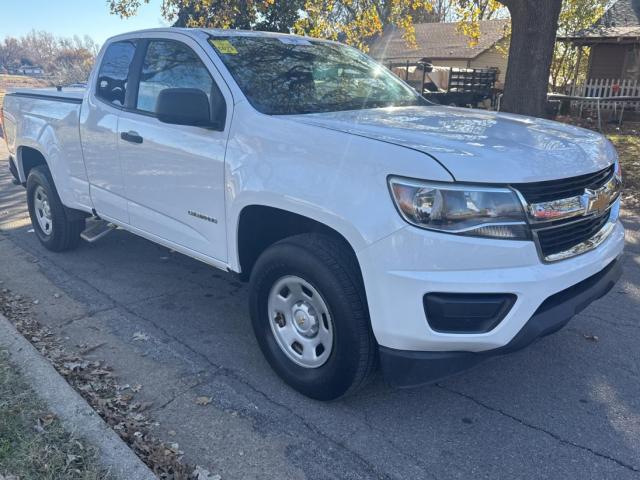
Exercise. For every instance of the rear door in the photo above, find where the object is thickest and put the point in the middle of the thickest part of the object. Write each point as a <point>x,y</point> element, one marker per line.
<point>175,173</point>
<point>99,130</point>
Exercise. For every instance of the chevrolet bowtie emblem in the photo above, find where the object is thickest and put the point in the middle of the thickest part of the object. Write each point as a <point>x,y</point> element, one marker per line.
<point>595,201</point>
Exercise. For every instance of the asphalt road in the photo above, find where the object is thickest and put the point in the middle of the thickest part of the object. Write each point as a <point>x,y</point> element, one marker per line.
<point>567,407</point>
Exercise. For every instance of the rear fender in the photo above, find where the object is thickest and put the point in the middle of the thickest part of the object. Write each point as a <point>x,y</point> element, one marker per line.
<point>51,129</point>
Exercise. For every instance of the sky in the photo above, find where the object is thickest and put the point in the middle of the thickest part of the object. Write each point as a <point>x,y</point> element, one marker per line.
<point>67,18</point>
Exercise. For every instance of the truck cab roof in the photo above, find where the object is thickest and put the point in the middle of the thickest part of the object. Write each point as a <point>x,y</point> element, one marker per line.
<point>196,32</point>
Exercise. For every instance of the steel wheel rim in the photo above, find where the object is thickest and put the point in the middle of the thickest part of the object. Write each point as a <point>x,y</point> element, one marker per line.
<point>42,210</point>
<point>300,322</point>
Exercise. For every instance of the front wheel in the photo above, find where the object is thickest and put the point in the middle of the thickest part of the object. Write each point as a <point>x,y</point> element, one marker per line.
<point>310,317</point>
<point>51,224</point>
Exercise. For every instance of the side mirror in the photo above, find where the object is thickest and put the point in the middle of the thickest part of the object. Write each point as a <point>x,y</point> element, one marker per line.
<point>184,106</point>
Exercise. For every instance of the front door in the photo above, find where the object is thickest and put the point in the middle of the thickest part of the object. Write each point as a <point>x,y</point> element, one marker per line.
<point>174,174</point>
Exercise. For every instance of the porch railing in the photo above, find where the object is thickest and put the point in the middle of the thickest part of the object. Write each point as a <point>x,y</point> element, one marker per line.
<point>606,89</point>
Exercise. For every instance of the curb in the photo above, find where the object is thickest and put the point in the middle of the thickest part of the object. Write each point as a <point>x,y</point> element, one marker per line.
<point>73,411</point>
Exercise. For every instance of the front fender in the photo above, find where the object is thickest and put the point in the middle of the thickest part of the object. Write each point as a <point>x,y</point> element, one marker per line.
<point>334,178</point>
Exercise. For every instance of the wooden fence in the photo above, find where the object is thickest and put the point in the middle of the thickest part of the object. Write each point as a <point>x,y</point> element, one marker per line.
<point>607,88</point>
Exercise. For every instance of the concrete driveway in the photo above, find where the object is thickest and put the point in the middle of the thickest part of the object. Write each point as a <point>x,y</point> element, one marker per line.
<point>567,407</point>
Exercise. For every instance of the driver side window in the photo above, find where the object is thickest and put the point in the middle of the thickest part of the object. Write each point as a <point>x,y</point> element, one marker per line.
<point>170,64</point>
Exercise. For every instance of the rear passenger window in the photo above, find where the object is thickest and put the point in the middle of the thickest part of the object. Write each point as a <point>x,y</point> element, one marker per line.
<point>169,64</point>
<point>114,72</point>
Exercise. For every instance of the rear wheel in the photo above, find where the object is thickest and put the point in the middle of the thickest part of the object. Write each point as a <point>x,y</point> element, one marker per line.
<point>51,222</point>
<point>310,317</point>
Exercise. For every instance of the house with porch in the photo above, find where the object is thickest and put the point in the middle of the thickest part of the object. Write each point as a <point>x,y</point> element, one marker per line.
<point>614,42</point>
<point>444,46</point>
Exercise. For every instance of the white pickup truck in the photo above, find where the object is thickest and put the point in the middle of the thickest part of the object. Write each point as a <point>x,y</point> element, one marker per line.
<point>374,227</point>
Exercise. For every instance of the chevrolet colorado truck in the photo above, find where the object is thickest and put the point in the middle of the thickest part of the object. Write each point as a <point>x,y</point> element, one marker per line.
<point>374,227</point>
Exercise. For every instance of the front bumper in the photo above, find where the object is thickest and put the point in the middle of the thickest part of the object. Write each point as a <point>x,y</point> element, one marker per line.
<point>400,269</point>
<point>410,368</point>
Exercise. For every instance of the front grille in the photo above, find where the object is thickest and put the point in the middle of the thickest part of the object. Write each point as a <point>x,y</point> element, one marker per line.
<point>569,187</point>
<point>566,235</point>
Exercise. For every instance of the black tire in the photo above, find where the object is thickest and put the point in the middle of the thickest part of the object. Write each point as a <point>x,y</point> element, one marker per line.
<point>65,231</point>
<point>331,268</point>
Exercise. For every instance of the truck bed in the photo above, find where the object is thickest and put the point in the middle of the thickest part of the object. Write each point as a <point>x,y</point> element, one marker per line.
<point>50,118</point>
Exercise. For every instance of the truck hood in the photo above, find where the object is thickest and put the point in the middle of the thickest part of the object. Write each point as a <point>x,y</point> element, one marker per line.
<point>477,145</point>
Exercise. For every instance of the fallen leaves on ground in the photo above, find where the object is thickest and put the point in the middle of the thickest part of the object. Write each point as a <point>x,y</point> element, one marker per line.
<point>94,380</point>
<point>140,337</point>
<point>33,442</point>
<point>46,419</point>
<point>84,349</point>
<point>201,473</point>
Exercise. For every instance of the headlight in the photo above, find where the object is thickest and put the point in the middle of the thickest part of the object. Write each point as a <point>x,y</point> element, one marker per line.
<point>460,209</point>
<point>618,170</point>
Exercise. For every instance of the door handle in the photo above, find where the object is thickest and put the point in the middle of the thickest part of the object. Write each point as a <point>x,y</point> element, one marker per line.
<point>132,137</point>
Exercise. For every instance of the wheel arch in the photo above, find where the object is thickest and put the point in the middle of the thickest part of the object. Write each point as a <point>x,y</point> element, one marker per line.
<point>29,157</point>
<point>260,226</point>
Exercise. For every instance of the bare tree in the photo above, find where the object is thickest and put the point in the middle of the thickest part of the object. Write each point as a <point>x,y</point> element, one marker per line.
<point>11,52</point>
<point>64,60</point>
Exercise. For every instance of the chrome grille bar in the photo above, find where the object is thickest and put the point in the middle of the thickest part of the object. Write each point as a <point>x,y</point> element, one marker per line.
<point>566,227</point>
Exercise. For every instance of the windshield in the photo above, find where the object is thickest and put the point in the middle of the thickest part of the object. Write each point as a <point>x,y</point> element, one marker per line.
<point>290,75</point>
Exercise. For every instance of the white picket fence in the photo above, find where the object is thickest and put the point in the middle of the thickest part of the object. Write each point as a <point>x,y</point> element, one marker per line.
<point>607,87</point>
